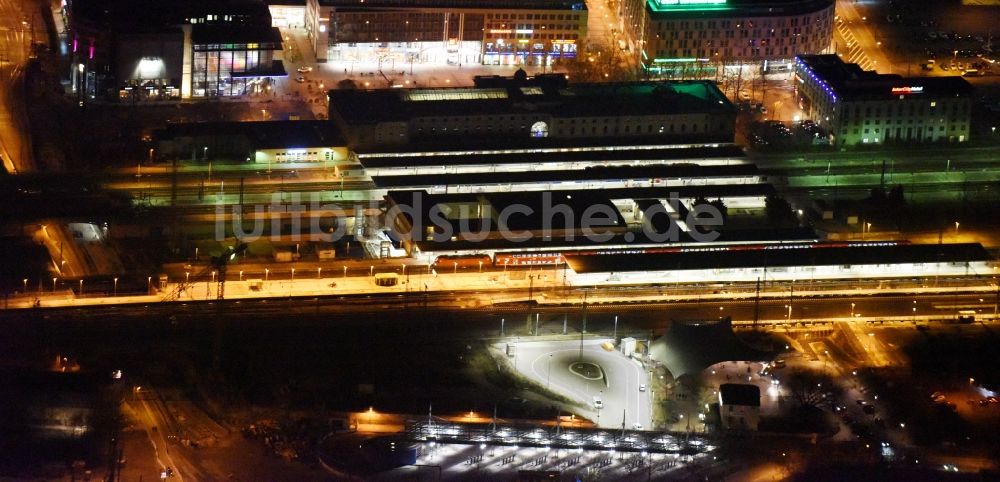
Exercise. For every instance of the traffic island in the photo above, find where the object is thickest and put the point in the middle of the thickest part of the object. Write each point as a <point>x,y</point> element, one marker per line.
<point>587,370</point>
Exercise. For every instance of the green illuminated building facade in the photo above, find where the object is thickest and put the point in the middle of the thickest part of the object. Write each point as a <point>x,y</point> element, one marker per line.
<point>669,33</point>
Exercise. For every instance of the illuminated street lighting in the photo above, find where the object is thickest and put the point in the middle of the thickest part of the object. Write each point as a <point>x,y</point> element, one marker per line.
<point>25,281</point>
<point>116,287</point>
<point>852,310</point>
<point>267,273</point>
<point>956,228</point>
<point>319,273</point>
<point>149,283</point>
<point>54,285</point>
<point>345,271</point>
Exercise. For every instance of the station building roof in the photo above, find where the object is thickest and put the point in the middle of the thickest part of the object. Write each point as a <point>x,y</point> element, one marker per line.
<point>811,254</point>
<point>362,107</point>
<point>850,82</point>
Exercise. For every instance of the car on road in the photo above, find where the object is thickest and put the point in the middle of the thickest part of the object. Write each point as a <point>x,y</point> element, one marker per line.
<point>598,403</point>
<point>304,69</point>
<point>642,387</point>
<point>637,426</point>
<point>300,79</point>
<point>743,95</point>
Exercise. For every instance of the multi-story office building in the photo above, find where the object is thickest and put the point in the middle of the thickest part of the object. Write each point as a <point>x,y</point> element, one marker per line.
<point>152,50</point>
<point>669,35</point>
<point>864,107</point>
<point>398,33</point>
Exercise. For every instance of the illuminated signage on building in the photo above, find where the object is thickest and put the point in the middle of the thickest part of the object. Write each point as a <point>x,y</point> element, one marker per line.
<point>500,30</point>
<point>907,90</point>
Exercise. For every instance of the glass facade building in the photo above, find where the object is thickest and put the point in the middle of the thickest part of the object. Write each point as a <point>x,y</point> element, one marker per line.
<point>231,69</point>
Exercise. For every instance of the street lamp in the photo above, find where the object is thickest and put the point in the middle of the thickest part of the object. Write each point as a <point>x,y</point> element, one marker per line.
<point>25,281</point>
<point>956,228</point>
<point>81,286</point>
<point>293,274</point>
<point>345,271</point>
<point>371,270</point>
<point>267,272</point>
<point>319,273</point>
<point>456,267</point>
<point>480,266</point>
<point>149,283</point>
<point>187,276</point>
<point>852,310</point>
<point>116,287</point>
<point>54,285</point>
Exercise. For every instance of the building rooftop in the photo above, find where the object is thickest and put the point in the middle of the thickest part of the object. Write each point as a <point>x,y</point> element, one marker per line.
<point>739,394</point>
<point>360,107</point>
<point>230,33</point>
<point>156,15</point>
<point>469,4</point>
<point>849,81</point>
<point>263,135</point>
<point>684,9</point>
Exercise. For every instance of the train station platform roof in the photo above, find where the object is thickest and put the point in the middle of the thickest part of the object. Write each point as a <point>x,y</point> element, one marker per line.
<point>621,155</point>
<point>779,256</point>
<point>597,174</point>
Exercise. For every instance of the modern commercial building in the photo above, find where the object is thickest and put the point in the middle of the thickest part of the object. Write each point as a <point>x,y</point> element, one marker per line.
<point>287,13</point>
<point>536,115</point>
<point>150,50</point>
<point>398,33</point>
<point>671,35</point>
<point>864,107</point>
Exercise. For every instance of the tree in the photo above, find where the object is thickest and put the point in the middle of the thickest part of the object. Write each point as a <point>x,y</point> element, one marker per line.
<point>778,211</point>
<point>722,208</point>
<point>811,388</point>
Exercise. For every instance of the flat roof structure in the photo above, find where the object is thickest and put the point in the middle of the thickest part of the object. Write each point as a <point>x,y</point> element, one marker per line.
<point>685,173</point>
<point>783,256</point>
<point>625,155</point>
<point>681,9</point>
<point>739,394</point>
<point>847,81</point>
<point>576,100</point>
<point>348,5</point>
<point>638,241</point>
<point>263,135</point>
